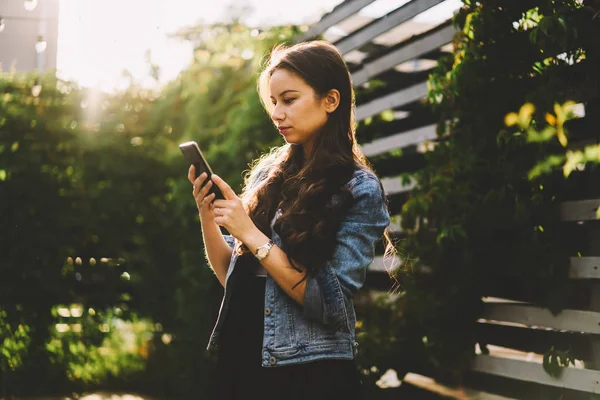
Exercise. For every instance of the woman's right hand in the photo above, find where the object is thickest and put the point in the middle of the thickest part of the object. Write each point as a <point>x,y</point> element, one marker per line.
<point>200,193</point>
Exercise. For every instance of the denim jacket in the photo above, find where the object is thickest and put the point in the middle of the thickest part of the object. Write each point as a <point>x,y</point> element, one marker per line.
<point>324,327</point>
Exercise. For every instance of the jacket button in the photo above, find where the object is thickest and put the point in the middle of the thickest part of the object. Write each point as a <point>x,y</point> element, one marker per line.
<point>267,311</point>
<point>272,361</point>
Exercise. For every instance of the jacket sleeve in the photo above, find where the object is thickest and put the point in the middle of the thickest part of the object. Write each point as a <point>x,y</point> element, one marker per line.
<point>230,240</point>
<point>331,287</point>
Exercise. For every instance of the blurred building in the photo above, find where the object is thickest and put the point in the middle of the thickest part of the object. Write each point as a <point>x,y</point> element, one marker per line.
<point>28,34</point>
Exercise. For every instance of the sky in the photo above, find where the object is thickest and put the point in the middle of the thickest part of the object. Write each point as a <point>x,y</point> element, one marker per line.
<point>99,38</point>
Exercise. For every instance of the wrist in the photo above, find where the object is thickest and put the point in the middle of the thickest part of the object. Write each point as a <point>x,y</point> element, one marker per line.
<point>255,239</point>
<point>205,219</point>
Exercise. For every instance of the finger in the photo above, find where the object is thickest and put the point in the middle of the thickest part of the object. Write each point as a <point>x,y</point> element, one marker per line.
<point>221,203</point>
<point>200,179</point>
<point>207,201</point>
<point>225,188</point>
<point>198,184</point>
<point>191,173</point>
<point>204,190</point>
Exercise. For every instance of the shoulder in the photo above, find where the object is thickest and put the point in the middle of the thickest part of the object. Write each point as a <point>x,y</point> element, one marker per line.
<point>369,203</point>
<point>366,191</point>
<point>364,179</point>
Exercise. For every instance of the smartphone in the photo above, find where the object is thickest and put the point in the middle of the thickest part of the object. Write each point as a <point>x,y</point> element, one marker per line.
<point>193,155</point>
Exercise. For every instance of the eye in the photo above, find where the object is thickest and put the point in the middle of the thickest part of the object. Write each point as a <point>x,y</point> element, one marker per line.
<point>289,100</point>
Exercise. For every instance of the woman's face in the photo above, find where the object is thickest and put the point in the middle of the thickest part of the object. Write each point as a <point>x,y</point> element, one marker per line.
<point>297,112</point>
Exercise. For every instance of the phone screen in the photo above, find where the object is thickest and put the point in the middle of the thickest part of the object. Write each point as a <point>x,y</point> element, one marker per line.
<point>193,155</point>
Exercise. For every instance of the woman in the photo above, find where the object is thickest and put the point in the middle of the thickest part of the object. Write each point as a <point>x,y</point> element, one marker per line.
<point>302,236</point>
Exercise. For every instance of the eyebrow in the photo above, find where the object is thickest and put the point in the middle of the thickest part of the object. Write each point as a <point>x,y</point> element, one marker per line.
<point>286,91</point>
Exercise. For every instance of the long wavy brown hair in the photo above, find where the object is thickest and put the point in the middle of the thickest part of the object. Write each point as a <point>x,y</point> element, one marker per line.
<point>309,192</point>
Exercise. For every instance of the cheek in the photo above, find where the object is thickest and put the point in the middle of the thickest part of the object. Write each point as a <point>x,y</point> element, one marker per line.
<point>318,118</point>
<point>311,116</point>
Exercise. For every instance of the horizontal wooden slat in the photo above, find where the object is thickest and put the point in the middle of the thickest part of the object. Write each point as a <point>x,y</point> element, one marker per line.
<point>580,268</point>
<point>395,185</point>
<point>569,320</point>
<point>392,100</point>
<point>405,53</point>
<point>584,380</point>
<point>580,210</point>
<point>400,140</point>
<point>447,391</point>
<point>478,395</point>
<point>585,268</point>
<point>384,24</point>
<point>395,224</point>
<point>533,340</point>
<point>338,14</point>
<point>379,265</point>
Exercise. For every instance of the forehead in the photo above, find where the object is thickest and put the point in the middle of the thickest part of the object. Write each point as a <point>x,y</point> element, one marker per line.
<point>282,79</point>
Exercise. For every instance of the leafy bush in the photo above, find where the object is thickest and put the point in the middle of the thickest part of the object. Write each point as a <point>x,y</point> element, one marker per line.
<point>97,217</point>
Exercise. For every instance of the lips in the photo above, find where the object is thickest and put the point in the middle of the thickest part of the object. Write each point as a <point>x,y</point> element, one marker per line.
<point>283,129</point>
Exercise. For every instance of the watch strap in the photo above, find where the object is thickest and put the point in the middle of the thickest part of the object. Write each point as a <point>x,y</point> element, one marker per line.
<point>266,246</point>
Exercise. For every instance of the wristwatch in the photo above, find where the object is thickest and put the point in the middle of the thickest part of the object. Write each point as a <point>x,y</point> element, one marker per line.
<point>263,251</point>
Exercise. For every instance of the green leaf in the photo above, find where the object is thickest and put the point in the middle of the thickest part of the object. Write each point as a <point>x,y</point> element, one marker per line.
<point>387,115</point>
<point>545,135</point>
<point>573,158</point>
<point>545,166</point>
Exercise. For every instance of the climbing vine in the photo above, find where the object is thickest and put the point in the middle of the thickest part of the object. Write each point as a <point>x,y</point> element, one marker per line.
<point>483,219</point>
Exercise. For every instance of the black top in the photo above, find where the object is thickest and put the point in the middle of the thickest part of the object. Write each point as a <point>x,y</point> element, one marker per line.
<point>239,373</point>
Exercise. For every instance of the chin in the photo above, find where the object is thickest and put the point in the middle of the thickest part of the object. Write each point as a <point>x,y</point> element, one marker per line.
<point>291,140</point>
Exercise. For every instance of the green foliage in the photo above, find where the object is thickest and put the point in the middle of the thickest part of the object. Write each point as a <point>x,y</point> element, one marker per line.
<point>97,345</point>
<point>571,159</point>
<point>483,210</point>
<point>97,214</point>
<point>69,184</point>
<point>13,343</point>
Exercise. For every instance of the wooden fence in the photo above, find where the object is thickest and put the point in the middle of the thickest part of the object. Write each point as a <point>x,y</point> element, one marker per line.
<point>379,44</point>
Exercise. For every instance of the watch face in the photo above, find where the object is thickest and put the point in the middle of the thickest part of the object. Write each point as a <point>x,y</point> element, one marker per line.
<point>262,252</point>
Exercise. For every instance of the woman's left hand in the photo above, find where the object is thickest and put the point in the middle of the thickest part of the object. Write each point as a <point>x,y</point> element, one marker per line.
<point>230,213</point>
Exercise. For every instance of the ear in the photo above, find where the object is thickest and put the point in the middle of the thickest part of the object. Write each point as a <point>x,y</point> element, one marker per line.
<point>331,100</point>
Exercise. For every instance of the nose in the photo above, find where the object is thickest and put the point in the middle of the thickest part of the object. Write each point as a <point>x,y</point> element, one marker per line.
<point>277,115</point>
